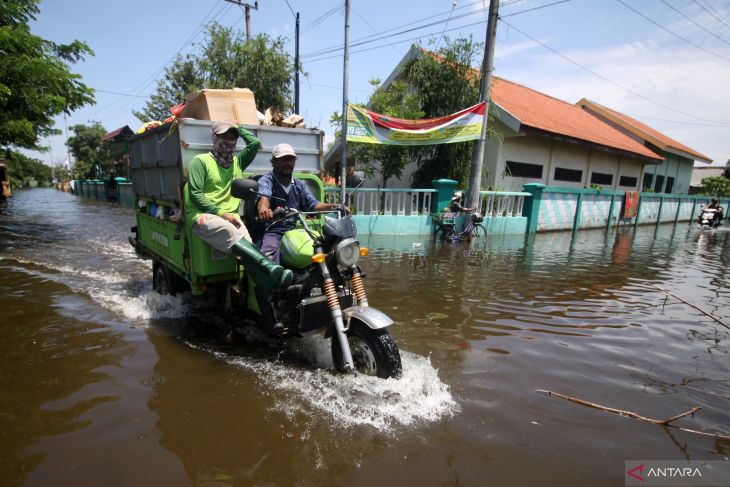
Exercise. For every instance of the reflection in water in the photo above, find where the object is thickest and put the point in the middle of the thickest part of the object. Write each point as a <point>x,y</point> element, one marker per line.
<point>47,362</point>
<point>96,367</point>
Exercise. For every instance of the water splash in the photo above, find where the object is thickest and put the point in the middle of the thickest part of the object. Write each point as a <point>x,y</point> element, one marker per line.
<point>116,292</point>
<point>418,396</point>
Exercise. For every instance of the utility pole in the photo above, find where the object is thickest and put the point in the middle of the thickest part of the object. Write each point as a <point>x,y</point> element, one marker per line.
<point>68,153</point>
<point>477,157</point>
<point>345,79</point>
<point>296,68</point>
<point>247,7</point>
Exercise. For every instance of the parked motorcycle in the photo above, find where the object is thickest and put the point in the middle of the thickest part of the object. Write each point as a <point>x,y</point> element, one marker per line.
<point>710,217</point>
<point>327,295</point>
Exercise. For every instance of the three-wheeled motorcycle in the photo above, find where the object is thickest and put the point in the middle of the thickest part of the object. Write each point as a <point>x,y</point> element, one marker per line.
<point>327,295</point>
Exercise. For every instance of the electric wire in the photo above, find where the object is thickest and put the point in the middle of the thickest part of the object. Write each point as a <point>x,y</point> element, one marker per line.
<point>370,38</point>
<point>314,23</point>
<point>694,22</point>
<point>373,28</point>
<point>712,13</point>
<point>447,24</point>
<point>341,46</point>
<point>105,111</point>
<point>145,82</point>
<point>672,32</point>
<point>291,9</point>
<point>628,90</point>
<point>152,78</point>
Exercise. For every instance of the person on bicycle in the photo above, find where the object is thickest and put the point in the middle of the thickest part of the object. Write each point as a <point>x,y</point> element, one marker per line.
<point>455,204</point>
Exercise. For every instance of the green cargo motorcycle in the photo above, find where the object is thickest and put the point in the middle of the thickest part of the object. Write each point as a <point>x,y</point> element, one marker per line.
<point>327,295</point>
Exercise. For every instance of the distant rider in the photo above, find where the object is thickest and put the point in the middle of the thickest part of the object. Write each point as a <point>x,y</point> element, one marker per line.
<point>279,188</point>
<point>715,205</point>
<point>212,210</point>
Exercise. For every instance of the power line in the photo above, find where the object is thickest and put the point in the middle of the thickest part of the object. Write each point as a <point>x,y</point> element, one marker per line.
<point>150,79</point>
<point>481,22</point>
<point>291,9</point>
<point>322,17</point>
<point>695,23</point>
<point>364,40</point>
<point>120,94</point>
<point>672,32</point>
<point>534,8</point>
<point>446,25</point>
<point>372,38</point>
<point>373,28</point>
<point>712,13</point>
<point>146,81</point>
<point>628,90</point>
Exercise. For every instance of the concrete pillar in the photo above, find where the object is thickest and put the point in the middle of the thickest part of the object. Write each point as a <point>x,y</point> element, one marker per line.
<point>444,192</point>
<point>531,207</point>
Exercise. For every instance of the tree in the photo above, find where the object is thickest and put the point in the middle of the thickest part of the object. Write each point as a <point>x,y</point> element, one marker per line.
<point>716,186</point>
<point>181,78</point>
<point>24,170</point>
<point>445,83</point>
<point>726,172</point>
<point>429,86</point>
<point>36,83</point>
<point>226,61</point>
<point>93,160</point>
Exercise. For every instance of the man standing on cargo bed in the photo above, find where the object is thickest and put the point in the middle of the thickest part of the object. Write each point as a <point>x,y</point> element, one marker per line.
<point>212,211</point>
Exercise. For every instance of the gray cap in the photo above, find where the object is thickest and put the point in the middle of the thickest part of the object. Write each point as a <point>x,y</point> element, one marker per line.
<point>283,150</point>
<point>220,128</point>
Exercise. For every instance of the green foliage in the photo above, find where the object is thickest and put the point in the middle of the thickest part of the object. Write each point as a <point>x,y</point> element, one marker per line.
<point>36,83</point>
<point>445,84</point>
<point>427,87</point>
<point>726,172</point>
<point>226,61</point>
<point>716,186</point>
<point>25,171</point>
<point>385,160</point>
<point>93,160</point>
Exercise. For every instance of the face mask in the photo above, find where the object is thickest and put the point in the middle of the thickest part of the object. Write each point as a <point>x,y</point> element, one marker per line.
<point>223,151</point>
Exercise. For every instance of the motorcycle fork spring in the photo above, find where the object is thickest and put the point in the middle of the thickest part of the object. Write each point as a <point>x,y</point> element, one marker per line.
<point>359,289</point>
<point>329,290</point>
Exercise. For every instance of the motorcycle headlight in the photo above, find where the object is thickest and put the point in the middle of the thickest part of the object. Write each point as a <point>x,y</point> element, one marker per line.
<point>347,252</point>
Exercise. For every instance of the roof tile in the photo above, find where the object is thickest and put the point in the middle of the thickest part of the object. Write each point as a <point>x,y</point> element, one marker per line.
<point>543,112</point>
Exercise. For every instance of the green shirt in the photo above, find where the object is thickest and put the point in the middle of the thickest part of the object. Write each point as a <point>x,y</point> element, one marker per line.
<point>209,185</point>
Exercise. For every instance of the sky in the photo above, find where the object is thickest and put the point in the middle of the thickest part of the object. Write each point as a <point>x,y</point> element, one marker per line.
<point>663,62</point>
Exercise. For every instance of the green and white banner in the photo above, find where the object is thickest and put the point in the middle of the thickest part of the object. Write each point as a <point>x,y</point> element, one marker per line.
<point>374,128</point>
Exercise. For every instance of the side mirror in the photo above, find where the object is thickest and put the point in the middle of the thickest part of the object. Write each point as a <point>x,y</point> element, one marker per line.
<point>245,189</point>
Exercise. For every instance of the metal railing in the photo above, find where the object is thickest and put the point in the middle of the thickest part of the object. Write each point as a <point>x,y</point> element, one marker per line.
<point>374,201</point>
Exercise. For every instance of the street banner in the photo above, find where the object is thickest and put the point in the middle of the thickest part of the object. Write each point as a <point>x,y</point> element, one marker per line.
<point>374,128</point>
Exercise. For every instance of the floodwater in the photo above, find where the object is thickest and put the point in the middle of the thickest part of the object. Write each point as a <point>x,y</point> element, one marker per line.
<point>104,382</point>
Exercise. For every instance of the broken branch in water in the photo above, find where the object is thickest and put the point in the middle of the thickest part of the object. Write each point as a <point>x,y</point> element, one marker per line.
<point>631,414</point>
<point>688,304</point>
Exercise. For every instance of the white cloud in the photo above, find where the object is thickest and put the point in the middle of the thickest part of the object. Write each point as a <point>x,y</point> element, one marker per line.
<point>685,80</point>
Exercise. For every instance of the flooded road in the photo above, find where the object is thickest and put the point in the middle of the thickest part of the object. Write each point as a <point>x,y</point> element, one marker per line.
<point>104,382</point>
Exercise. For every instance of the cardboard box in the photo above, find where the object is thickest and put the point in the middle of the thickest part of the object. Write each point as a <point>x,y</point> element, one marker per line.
<point>236,104</point>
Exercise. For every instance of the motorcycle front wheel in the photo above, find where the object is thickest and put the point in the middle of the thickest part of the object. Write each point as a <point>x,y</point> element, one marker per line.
<point>374,352</point>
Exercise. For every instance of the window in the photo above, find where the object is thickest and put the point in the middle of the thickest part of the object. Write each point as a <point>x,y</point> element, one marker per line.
<point>524,170</point>
<point>601,178</point>
<point>670,185</point>
<point>648,178</point>
<point>628,181</point>
<point>658,184</point>
<point>573,175</point>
